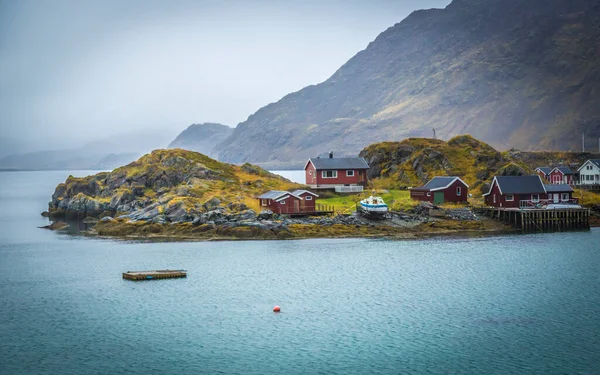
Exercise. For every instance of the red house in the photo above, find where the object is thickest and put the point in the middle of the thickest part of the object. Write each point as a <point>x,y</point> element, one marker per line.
<point>284,202</point>
<point>308,198</point>
<point>544,172</point>
<point>562,175</point>
<point>336,173</point>
<point>441,189</point>
<point>515,191</point>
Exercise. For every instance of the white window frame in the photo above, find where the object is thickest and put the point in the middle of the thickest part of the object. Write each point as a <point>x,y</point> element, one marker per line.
<point>263,202</point>
<point>534,199</point>
<point>350,173</point>
<point>458,191</point>
<point>333,174</point>
<point>512,197</point>
<point>282,202</point>
<point>565,196</point>
<point>308,198</point>
<point>429,194</point>
<point>494,195</point>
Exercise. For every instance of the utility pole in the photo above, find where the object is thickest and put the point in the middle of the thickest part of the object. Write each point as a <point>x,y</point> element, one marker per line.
<point>583,142</point>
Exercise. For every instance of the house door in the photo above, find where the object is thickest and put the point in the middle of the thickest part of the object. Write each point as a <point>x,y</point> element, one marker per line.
<point>438,197</point>
<point>556,198</point>
<point>296,205</point>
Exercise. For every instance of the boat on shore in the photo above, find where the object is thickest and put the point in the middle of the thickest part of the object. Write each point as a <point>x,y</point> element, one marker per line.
<point>373,206</point>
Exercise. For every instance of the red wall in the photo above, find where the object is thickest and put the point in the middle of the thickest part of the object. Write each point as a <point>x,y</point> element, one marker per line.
<point>342,179</point>
<point>311,177</point>
<point>560,176</point>
<point>421,195</point>
<point>307,205</point>
<point>501,199</point>
<point>449,193</point>
<point>289,207</point>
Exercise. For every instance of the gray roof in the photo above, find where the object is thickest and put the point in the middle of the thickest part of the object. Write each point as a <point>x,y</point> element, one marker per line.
<point>520,184</point>
<point>298,192</point>
<point>565,170</point>
<point>596,161</point>
<point>545,170</point>
<point>339,163</point>
<point>558,188</point>
<point>438,182</point>
<point>273,194</point>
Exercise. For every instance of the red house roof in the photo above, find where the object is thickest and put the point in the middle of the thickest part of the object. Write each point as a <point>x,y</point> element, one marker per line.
<point>337,163</point>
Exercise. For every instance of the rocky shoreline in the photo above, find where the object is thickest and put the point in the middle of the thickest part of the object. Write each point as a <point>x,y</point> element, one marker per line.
<point>219,223</point>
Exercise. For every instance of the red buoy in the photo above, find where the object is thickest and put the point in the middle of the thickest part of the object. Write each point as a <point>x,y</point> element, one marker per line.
<point>276,309</point>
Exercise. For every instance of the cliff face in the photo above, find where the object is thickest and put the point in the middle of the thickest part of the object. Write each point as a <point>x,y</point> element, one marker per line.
<point>165,185</point>
<point>514,73</point>
<point>202,138</point>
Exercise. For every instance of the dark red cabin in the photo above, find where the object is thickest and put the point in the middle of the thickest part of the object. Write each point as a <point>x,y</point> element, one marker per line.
<point>562,175</point>
<point>284,202</point>
<point>515,191</point>
<point>442,189</point>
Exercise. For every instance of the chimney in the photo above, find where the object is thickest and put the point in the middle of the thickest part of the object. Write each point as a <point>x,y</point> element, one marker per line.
<point>330,154</point>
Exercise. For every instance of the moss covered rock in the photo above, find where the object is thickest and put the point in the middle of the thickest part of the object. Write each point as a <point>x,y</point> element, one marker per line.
<point>166,186</point>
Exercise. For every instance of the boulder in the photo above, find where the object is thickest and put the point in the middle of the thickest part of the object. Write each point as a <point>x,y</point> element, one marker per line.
<point>265,215</point>
<point>211,204</point>
<point>246,215</point>
<point>159,219</point>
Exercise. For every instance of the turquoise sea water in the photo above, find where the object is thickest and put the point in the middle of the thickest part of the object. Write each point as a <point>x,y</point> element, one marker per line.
<point>497,305</point>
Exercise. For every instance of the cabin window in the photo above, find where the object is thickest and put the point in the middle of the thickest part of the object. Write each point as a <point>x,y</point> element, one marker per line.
<point>428,194</point>
<point>310,172</point>
<point>565,196</point>
<point>494,198</point>
<point>349,173</point>
<point>329,174</point>
<point>509,197</point>
<point>308,198</point>
<point>282,202</point>
<point>535,197</point>
<point>263,202</point>
<point>458,191</point>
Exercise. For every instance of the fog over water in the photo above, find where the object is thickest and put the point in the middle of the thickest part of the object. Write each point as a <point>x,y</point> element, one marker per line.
<point>73,71</point>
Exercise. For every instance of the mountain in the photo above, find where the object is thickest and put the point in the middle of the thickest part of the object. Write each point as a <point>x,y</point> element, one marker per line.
<point>513,73</point>
<point>103,153</point>
<point>202,138</point>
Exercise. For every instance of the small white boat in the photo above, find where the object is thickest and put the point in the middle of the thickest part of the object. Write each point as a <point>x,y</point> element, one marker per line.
<point>374,206</point>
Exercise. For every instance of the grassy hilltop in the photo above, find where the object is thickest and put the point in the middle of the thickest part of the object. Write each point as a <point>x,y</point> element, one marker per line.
<point>175,180</point>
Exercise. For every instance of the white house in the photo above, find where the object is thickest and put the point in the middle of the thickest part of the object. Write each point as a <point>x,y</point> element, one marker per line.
<point>589,172</point>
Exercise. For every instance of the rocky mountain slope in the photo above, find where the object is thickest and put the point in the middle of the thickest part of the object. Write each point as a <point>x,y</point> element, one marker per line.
<point>514,73</point>
<point>202,138</point>
<point>415,161</point>
<point>165,186</point>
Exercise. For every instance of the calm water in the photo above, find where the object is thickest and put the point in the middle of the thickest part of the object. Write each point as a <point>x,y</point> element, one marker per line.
<point>521,304</point>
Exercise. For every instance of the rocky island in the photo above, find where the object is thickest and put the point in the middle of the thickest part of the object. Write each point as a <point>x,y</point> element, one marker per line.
<point>187,195</point>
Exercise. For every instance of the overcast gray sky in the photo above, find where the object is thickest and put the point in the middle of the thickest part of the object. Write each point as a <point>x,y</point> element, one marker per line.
<point>73,70</point>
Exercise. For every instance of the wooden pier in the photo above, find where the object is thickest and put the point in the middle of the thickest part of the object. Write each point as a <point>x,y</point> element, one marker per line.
<point>541,220</point>
<point>153,275</point>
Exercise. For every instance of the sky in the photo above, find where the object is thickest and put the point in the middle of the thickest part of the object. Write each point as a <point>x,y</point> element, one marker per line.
<point>72,71</point>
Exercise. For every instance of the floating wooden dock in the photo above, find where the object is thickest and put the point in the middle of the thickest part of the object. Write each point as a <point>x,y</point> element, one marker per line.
<point>152,275</point>
<point>541,220</point>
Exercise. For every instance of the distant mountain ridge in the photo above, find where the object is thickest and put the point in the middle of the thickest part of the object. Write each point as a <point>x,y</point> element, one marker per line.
<point>513,73</point>
<point>202,138</point>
